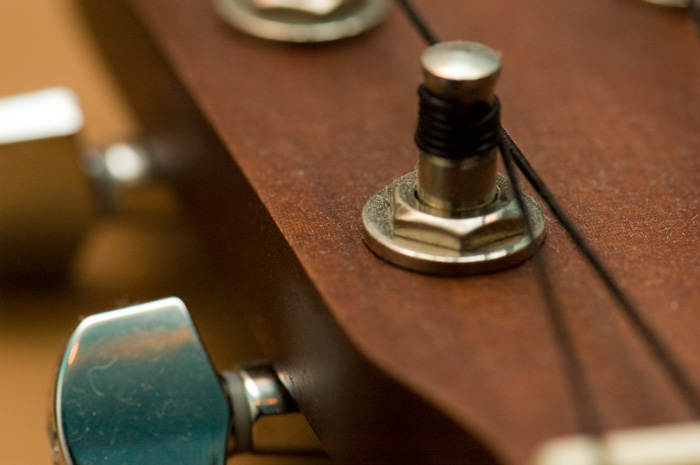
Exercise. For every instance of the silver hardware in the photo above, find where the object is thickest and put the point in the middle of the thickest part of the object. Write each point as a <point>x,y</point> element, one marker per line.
<point>116,169</point>
<point>671,3</point>
<point>400,230</point>
<point>136,386</point>
<point>302,20</point>
<point>441,182</point>
<point>255,392</point>
<point>47,182</point>
<point>453,215</point>
<point>45,203</point>
<point>465,72</point>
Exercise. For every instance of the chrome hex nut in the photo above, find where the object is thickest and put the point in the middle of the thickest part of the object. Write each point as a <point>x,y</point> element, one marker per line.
<point>417,222</point>
<point>407,233</point>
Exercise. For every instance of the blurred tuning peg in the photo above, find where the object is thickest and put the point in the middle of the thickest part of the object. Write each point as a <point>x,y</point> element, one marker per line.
<point>46,180</point>
<point>302,20</point>
<point>673,3</point>
<point>136,386</point>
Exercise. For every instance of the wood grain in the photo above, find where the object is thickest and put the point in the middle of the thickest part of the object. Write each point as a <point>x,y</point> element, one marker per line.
<point>280,146</point>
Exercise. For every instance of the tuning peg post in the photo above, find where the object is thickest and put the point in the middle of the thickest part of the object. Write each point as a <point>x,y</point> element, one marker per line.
<point>454,215</point>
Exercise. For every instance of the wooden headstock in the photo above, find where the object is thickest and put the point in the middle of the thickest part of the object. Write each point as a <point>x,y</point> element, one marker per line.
<point>276,148</point>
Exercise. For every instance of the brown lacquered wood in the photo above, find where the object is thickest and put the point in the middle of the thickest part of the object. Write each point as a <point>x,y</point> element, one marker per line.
<point>278,147</point>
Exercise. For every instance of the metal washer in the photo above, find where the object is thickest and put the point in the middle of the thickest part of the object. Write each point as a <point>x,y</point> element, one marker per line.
<point>378,235</point>
<point>294,26</point>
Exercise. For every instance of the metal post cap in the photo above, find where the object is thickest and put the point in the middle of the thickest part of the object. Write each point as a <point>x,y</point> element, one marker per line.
<point>466,71</point>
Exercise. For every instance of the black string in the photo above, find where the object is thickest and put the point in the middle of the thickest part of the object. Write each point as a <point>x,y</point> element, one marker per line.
<point>581,392</point>
<point>582,396</point>
<point>420,24</point>
<point>676,373</point>
<point>449,130</point>
<point>589,419</point>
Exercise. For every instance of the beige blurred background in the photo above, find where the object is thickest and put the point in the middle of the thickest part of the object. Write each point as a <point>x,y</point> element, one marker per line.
<point>143,254</point>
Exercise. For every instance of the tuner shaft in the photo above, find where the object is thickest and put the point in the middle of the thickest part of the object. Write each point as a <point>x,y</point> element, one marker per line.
<point>458,127</point>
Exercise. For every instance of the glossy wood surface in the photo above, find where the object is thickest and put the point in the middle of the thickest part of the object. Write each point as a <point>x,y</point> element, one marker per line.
<point>602,96</point>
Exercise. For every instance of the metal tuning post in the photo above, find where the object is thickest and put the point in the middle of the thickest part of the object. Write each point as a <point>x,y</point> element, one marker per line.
<point>455,215</point>
<point>302,20</point>
<point>136,386</point>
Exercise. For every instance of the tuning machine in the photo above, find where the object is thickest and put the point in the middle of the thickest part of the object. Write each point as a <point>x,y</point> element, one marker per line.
<point>46,179</point>
<point>136,386</point>
<point>671,3</point>
<point>302,20</point>
<point>455,214</point>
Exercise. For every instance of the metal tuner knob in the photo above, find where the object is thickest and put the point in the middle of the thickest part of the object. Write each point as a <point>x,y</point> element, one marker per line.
<point>136,386</point>
<point>50,186</point>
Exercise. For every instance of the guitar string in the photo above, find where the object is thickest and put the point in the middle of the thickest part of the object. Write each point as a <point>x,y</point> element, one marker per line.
<point>418,22</point>
<point>667,361</point>
<point>430,38</point>
<point>586,411</point>
<point>675,372</point>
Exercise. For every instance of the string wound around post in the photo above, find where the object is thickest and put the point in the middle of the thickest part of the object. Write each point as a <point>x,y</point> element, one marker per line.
<point>455,214</point>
